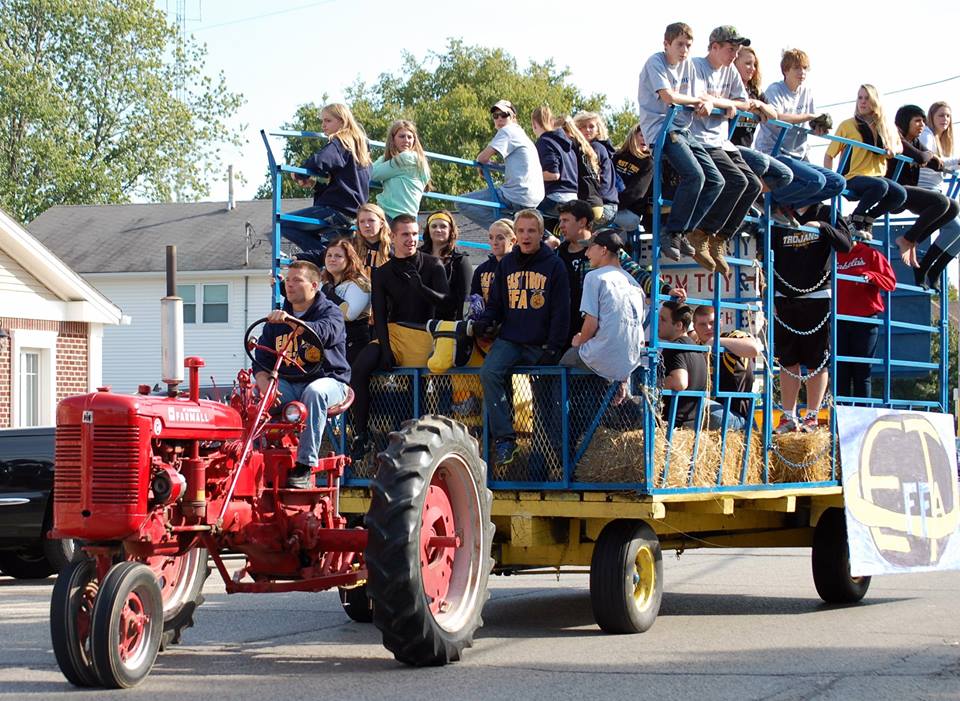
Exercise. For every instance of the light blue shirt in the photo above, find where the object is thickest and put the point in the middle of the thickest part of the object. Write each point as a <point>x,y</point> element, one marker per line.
<point>522,178</point>
<point>725,82</point>
<point>779,96</point>
<point>657,75</point>
<point>616,300</point>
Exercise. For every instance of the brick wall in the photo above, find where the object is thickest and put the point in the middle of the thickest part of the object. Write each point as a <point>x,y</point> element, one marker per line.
<point>71,359</point>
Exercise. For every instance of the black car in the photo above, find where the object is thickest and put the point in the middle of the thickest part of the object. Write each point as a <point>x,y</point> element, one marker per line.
<point>26,506</point>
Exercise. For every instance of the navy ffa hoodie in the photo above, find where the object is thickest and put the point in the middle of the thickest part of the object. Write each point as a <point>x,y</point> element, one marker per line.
<point>608,180</point>
<point>557,156</point>
<point>349,185</point>
<point>530,299</point>
<point>326,319</point>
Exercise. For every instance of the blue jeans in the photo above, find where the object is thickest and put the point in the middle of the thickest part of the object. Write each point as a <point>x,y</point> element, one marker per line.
<point>877,196</point>
<point>811,184</point>
<point>313,237</point>
<point>317,396</point>
<point>627,220</point>
<point>700,181</point>
<point>772,172</point>
<point>502,357</point>
<point>485,216</point>
<point>735,422</point>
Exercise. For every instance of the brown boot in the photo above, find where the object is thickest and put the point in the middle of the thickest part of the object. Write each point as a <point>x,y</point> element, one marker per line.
<point>700,240</point>
<point>718,247</point>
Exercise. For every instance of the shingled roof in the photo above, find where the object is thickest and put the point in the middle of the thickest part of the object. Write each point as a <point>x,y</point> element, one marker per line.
<point>131,238</point>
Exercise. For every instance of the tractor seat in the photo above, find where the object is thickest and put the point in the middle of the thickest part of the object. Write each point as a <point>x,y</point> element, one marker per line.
<point>338,409</point>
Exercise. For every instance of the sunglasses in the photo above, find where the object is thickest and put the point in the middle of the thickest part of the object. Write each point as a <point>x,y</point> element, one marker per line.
<point>499,115</point>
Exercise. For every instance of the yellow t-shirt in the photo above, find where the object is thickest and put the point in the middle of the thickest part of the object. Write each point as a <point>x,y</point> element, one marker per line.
<point>862,162</point>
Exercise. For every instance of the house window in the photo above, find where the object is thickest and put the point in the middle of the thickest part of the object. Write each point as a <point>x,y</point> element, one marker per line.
<point>212,302</point>
<point>188,293</point>
<point>215,304</point>
<point>30,387</point>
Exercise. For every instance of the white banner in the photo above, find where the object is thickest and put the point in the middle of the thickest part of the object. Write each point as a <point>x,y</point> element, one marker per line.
<point>900,490</point>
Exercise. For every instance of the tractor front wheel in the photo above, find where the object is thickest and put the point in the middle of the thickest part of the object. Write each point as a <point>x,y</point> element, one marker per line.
<point>127,625</point>
<point>428,554</point>
<point>181,579</point>
<point>71,616</point>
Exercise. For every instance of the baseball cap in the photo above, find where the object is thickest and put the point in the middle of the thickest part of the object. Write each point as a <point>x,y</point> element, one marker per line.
<point>609,239</point>
<point>504,106</point>
<point>729,34</point>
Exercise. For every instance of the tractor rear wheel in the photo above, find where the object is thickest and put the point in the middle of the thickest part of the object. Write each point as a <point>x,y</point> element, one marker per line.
<point>127,625</point>
<point>428,554</point>
<point>626,577</point>
<point>831,561</point>
<point>181,579</point>
<point>71,616</point>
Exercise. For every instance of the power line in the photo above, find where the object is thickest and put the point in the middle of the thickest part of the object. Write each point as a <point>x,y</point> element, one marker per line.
<point>260,16</point>
<point>894,92</point>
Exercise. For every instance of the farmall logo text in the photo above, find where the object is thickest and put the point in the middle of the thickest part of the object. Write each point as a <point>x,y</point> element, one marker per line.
<point>187,415</point>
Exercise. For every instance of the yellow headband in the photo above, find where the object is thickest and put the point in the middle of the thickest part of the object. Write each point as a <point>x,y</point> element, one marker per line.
<point>440,215</point>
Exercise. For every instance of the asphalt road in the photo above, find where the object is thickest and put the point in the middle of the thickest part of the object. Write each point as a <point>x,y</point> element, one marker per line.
<point>734,624</point>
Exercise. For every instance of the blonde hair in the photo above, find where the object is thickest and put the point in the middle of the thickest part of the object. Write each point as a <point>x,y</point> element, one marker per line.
<point>571,130</point>
<point>752,85</point>
<point>629,144</point>
<point>792,58</point>
<point>351,134</point>
<point>382,254</point>
<point>505,225</point>
<point>354,270</point>
<point>543,116</point>
<point>581,118</point>
<point>944,141</point>
<point>890,137</point>
<point>389,152</point>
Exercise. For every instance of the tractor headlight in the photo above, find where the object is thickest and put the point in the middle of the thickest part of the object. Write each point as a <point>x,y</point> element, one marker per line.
<point>294,412</point>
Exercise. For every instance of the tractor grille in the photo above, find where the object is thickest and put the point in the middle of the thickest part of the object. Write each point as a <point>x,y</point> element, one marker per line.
<point>116,453</point>
<point>66,477</point>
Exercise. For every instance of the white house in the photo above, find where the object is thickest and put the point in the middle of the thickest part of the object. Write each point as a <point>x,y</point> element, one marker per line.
<point>52,324</point>
<point>223,261</point>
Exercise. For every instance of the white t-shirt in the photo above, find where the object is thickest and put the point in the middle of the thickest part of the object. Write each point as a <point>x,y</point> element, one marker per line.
<point>616,300</point>
<point>523,179</point>
<point>725,82</point>
<point>657,75</point>
<point>784,101</point>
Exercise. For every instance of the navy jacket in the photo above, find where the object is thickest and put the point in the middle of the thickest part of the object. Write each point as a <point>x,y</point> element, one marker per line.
<point>326,319</point>
<point>608,180</point>
<point>557,156</point>
<point>349,185</point>
<point>530,299</point>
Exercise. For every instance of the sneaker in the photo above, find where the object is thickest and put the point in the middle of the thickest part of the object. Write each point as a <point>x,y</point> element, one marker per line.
<point>700,240</point>
<point>782,218</point>
<point>788,424</point>
<point>859,226</point>
<point>671,247</point>
<point>300,477</point>
<point>505,452</point>
<point>810,422</point>
<point>717,247</point>
<point>685,248</point>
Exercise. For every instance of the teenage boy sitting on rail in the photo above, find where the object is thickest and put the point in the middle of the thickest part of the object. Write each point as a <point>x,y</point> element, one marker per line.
<point>721,84</point>
<point>735,366</point>
<point>668,79</point>
<point>793,101</point>
<point>801,334</point>
<point>682,369</point>
<point>530,302</point>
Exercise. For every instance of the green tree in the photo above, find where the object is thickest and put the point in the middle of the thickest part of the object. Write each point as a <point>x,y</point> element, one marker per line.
<point>101,102</point>
<point>449,96</point>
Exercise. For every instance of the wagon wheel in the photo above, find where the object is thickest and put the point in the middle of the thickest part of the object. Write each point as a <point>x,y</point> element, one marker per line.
<point>127,625</point>
<point>430,537</point>
<point>71,610</point>
<point>181,579</point>
<point>626,577</point>
<point>831,561</point>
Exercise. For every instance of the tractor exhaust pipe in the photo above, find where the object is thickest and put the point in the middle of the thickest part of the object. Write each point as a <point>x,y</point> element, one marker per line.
<point>171,328</point>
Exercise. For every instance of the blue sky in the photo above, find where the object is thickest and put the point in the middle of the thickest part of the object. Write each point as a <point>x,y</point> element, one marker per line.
<point>290,52</point>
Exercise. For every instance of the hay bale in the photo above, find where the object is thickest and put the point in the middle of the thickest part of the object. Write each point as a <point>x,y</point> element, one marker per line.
<point>802,457</point>
<point>619,457</point>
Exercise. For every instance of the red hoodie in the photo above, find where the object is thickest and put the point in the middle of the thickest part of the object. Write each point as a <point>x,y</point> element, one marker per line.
<point>863,298</point>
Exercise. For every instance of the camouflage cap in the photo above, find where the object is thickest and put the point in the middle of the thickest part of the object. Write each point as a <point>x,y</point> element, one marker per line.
<point>728,34</point>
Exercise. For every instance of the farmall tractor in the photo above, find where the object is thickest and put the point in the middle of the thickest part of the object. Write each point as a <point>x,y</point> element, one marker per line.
<point>155,486</point>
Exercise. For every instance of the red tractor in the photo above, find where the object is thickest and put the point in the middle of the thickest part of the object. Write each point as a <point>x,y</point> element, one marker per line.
<point>154,485</point>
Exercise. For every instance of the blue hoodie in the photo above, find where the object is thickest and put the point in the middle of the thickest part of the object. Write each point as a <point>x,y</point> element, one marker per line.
<point>530,298</point>
<point>608,180</point>
<point>326,319</point>
<point>349,185</point>
<point>557,156</point>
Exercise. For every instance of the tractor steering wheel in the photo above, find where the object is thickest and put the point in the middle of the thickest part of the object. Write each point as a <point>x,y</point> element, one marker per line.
<point>251,344</point>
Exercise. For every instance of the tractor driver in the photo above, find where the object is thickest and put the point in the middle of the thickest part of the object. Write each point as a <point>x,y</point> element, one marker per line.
<point>326,385</point>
